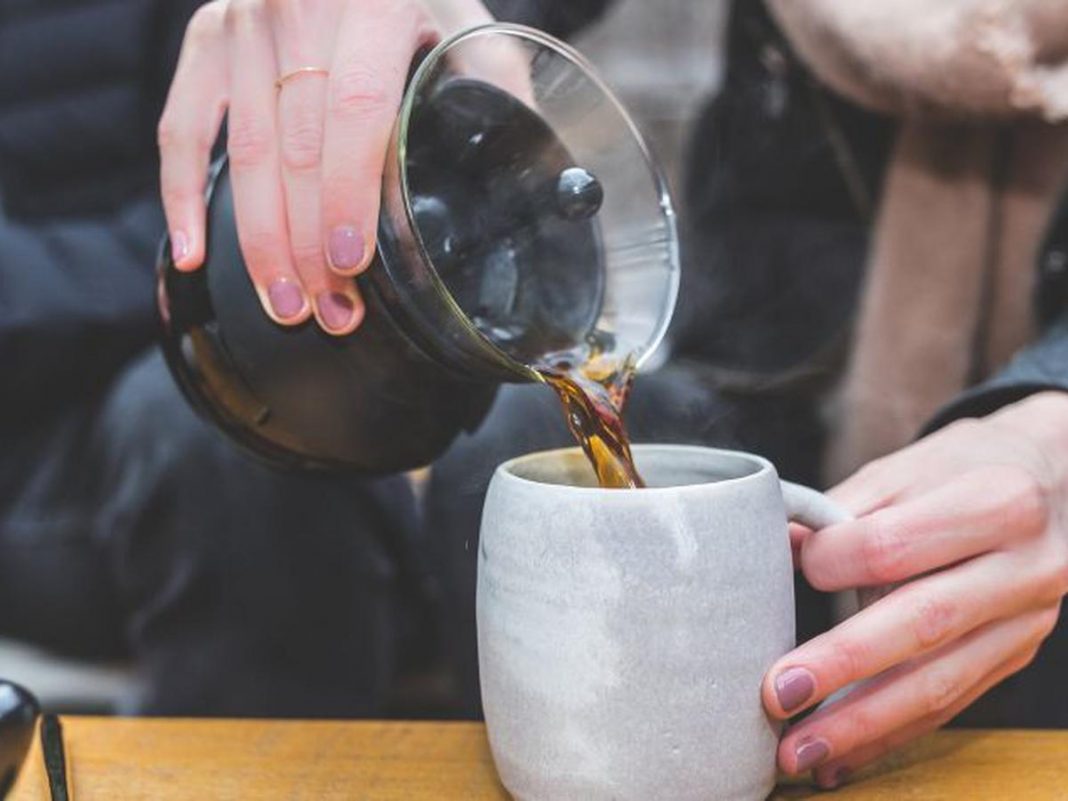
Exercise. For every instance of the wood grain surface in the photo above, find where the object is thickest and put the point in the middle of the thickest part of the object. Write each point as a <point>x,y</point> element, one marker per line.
<point>165,760</point>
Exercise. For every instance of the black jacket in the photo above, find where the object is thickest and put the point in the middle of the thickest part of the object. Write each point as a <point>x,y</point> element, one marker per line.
<point>81,87</point>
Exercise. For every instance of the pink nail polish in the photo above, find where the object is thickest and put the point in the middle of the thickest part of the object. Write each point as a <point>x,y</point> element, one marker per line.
<point>810,753</point>
<point>335,310</point>
<point>346,248</point>
<point>794,686</point>
<point>285,298</point>
<point>179,246</point>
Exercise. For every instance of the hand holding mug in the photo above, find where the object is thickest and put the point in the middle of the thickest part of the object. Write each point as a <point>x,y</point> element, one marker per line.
<point>973,518</point>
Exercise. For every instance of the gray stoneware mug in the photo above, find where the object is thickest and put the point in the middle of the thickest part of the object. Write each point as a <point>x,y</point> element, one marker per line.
<point>623,634</point>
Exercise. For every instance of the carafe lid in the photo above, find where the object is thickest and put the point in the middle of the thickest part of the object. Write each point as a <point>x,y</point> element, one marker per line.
<point>530,194</point>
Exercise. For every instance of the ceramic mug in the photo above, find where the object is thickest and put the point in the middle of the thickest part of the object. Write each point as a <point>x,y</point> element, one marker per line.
<point>623,634</point>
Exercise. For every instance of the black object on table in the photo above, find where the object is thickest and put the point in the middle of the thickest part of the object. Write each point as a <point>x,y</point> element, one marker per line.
<point>18,716</point>
<point>55,758</point>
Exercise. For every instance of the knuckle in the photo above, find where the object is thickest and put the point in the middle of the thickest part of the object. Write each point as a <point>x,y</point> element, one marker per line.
<point>933,621</point>
<point>242,14</point>
<point>859,727</point>
<point>1047,621</point>
<point>248,141</point>
<point>1026,502</point>
<point>871,472</point>
<point>1057,577</point>
<point>874,467</point>
<point>964,427</point>
<point>1026,659</point>
<point>359,91</point>
<point>260,247</point>
<point>939,691</point>
<point>168,135</point>
<point>205,23</point>
<point>1060,575</point>
<point>1018,662</point>
<point>302,139</point>
<point>172,135</point>
<point>178,195</point>
<point>1051,582</point>
<point>884,548</point>
<point>308,254</point>
<point>849,662</point>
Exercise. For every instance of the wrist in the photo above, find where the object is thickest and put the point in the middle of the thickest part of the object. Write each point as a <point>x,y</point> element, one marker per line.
<point>1042,420</point>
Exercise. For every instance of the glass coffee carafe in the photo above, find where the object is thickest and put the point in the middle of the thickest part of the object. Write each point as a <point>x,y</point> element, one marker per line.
<point>521,215</point>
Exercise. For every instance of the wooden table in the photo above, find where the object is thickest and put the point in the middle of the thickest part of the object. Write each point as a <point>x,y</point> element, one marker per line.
<point>164,760</point>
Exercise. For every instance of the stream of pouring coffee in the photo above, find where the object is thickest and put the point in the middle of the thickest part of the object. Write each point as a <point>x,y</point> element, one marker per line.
<point>593,389</point>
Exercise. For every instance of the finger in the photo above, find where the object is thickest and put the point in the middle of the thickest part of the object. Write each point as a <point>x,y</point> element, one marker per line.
<point>873,486</point>
<point>912,620</point>
<point>301,112</point>
<point>798,535</point>
<point>834,772</point>
<point>907,471</point>
<point>501,61</point>
<point>254,165</point>
<point>375,45</point>
<point>187,130</point>
<point>980,511</point>
<point>914,691</point>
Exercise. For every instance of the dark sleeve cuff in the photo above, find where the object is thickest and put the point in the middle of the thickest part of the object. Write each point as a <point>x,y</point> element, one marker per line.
<point>558,17</point>
<point>1041,367</point>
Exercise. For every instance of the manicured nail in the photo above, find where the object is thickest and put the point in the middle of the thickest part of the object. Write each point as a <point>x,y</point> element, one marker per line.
<point>810,753</point>
<point>346,248</point>
<point>335,310</point>
<point>794,686</point>
<point>179,246</point>
<point>286,299</point>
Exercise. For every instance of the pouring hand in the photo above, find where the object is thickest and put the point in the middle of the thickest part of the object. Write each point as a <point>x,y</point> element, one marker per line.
<point>974,519</point>
<point>306,156</point>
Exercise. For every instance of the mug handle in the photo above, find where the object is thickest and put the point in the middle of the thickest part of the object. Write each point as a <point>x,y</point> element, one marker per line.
<point>811,508</point>
<point>815,510</point>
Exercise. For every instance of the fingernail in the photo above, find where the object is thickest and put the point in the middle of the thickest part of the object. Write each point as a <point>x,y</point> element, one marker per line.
<point>179,246</point>
<point>810,753</point>
<point>335,309</point>
<point>346,248</point>
<point>793,687</point>
<point>286,299</point>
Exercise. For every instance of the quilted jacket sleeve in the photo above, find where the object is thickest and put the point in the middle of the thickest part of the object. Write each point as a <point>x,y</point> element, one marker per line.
<point>77,291</point>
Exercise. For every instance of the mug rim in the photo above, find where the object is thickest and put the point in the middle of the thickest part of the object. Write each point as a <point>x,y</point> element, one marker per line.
<point>506,470</point>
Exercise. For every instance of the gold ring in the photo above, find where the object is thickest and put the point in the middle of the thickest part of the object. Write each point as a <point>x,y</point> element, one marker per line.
<point>298,72</point>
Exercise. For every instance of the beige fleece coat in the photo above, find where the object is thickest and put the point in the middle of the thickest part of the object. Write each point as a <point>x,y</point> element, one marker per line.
<point>981,88</point>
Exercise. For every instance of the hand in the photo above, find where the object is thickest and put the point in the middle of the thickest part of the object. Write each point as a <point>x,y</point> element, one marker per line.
<point>974,519</point>
<point>306,159</point>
